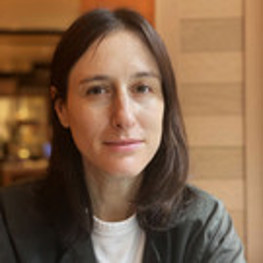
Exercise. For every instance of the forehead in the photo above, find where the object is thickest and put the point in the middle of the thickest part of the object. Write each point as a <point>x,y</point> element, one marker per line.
<point>117,50</point>
<point>119,38</point>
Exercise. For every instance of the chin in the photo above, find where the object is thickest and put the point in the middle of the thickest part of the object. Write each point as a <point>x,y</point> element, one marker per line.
<point>128,173</point>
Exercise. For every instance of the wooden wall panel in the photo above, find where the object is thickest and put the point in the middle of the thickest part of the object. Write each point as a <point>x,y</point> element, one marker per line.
<point>210,9</point>
<point>211,35</point>
<point>231,191</point>
<point>254,128</point>
<point>214,130</point>
<point>203,67</point>
<point>208,99</point>
<point>217,162</point>
<point>205,40</point>
<point>239,222</point>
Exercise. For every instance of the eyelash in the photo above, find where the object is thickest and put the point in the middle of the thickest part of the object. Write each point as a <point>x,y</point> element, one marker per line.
<point>97,90</point>
<point>141,88</point>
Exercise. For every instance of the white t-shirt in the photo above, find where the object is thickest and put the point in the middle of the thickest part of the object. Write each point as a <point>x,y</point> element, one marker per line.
<point>121,242</point>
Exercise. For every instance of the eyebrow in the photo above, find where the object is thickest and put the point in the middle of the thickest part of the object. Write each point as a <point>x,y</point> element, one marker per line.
<point>146,74</point>
<point>95,78</point>
<point>107,78</point>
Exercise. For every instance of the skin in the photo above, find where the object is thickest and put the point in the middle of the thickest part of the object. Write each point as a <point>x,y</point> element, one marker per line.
<point>114,110</point>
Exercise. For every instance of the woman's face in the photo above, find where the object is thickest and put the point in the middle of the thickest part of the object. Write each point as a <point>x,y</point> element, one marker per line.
<point>114,107</point>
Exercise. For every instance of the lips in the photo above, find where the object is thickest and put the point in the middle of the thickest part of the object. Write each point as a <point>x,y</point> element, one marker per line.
<point>124,142</point>
<point>125,145</point>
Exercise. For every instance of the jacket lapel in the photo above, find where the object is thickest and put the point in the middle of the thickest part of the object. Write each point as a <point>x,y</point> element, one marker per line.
<point>81,252</point>
<point>157,247</point>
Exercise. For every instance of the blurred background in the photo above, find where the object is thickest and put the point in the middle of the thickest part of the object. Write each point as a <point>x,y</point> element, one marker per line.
<point>216,49</point>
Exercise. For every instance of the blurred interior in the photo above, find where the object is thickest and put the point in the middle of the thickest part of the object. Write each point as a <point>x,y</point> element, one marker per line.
<point>24,121</point>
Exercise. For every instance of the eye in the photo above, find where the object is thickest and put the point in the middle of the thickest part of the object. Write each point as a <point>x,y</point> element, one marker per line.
<point>97,90</point>
<point>142,88</point>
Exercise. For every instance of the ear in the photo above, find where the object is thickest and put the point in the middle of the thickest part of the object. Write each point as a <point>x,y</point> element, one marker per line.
<point>60,107</point>
<point>53,92</point>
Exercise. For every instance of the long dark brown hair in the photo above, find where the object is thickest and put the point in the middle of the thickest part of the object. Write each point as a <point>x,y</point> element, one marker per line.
<point>164,178</point>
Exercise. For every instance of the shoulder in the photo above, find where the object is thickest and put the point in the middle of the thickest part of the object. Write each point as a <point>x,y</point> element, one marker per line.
<point>23,222</point>
<point>206,229</point>
<point>22,194</point>
<point>202,205</point>
<point>21,201</point>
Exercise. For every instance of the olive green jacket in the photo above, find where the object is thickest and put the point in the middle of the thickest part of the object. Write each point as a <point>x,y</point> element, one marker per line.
<point>204,234</point>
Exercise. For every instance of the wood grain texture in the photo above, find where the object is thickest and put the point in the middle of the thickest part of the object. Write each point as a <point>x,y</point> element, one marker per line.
<point>214,8</point>
<point>238,218</point>
<point>211,67</point>
<point>167,17</point>
<point>217,162</point>
<point>212,35</point>
<point>254,129</point>
<point>231,192</point>
<point>206,99</point>
<point>215,131</point>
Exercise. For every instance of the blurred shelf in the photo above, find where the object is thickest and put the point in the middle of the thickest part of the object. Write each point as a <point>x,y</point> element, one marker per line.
<point>14,172</point>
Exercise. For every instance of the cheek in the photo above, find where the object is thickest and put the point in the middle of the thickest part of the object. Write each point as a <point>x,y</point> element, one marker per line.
<point>84,132</point>
<point>82,124</point>
<point>154,120</point>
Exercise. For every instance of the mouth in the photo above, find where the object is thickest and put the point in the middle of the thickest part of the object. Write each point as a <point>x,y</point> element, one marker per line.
<point>123,142</point>
<point>124,145</point>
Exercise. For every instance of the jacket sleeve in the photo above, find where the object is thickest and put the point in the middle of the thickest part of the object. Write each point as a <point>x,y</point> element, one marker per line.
<point>7,253</point>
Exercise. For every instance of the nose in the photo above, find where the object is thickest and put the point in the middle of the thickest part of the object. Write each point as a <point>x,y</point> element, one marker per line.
<point>123,111</point>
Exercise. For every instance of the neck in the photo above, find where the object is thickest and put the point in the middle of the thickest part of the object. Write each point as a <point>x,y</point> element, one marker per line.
<point>112,197</point>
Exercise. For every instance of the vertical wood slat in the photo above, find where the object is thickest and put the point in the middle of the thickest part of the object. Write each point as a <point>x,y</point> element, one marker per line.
<point>254,128</point>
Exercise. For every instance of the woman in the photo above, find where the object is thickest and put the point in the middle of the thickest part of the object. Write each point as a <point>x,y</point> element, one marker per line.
<point>116,187</point>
